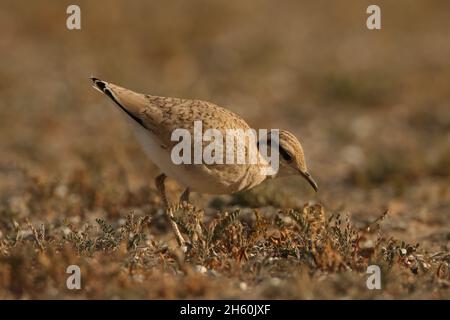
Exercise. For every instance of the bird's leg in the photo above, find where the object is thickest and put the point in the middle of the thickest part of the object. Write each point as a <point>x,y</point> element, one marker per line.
<point>159,182</point>
<point>185,196</point>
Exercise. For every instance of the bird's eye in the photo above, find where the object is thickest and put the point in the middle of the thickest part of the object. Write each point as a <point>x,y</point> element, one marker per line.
<point>286,155</point>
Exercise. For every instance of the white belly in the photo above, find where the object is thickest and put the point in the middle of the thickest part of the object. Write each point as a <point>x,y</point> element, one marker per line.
<point>156,152</point>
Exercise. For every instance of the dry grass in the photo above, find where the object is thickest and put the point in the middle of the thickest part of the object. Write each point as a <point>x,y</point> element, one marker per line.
<point>372,110</point>
<point>295,253</point>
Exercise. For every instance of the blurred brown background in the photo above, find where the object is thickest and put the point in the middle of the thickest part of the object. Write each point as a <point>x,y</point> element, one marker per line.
<point>372,108</point>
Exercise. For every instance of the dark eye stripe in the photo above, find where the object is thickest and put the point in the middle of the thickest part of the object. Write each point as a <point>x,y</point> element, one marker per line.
<point>286,155</point>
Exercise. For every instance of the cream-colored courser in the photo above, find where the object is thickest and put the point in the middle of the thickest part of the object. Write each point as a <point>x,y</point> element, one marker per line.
<point>154,119</point>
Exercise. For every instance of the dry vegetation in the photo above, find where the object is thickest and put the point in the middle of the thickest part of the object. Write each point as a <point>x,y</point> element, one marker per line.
<point>372,110</point>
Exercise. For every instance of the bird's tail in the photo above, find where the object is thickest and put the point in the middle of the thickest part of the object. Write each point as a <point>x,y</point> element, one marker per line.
<point>99,84</point>
<point>129,101</point>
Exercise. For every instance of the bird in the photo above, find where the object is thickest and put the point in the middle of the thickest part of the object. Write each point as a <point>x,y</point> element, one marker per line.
<point>154,119</point>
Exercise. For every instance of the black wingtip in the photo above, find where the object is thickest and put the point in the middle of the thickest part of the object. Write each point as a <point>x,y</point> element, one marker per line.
<point>99,83</point>
<point>103,86</point>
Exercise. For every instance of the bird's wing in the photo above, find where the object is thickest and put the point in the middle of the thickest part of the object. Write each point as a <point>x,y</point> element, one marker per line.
<point>162,115</point>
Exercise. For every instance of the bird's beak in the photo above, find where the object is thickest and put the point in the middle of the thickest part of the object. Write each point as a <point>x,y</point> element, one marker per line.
<point>311,181</point>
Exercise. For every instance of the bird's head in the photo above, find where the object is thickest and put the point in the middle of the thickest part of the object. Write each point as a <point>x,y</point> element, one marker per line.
<point>292,159</point>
